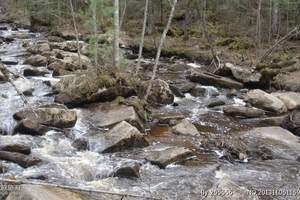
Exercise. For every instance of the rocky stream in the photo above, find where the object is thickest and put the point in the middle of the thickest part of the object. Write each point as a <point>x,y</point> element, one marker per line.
<point>205,142</point>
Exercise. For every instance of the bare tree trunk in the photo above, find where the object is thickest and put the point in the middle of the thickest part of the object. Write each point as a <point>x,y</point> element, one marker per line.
<point>94,9</point>
<point>76,31</point>
<point>275,17</point>
<point>270,21</point>
<point>143,36</point>
<point>162,40</point>
<point>116,50</point>
<point>258,25</point>
<point>123,13</point>
<point>186,20</point>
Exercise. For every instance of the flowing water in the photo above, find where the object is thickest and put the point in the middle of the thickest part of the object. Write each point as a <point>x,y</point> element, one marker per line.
<point>88,169</point>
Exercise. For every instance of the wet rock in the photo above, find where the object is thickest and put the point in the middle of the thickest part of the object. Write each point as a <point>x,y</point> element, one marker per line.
<point>186,88</point>
<point>280,142</point>
<point>49,116</point>
<point>39,48</point>
<point>290,99</point>
<point>36,60</point>
<point>265,101</point>
<point>35,72</point>
<point>288,81</point>
<point>160,93</point>
<point>109,94</point>
<point>198,91</point>
<point>243,112</point>
<point>265,121</point>
<point>19,158</point>
<point>168,118</point>
<point>10,62</point>
<point>185,127</point>
<point>168,155</point>
<point>3,169</point>
<point>176,91</point>
<point>207,78</point>
<point>292,122</point>
<point>3,78</point>
<point>229,191</point>
<point>123,136</point>
<point>81,144</point>
<point>215,103</point>
<point>128,170</point>
<point>3,28</point>
<point>243,74</point>
<point>109,116</point>
<point>31,192</point>
<point>52,38</point>
<point>30,127</point>
<point>18,148</point>
<point>24,86</point>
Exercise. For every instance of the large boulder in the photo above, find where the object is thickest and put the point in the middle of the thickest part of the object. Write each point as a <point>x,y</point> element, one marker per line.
<point>265,101</point>
<point>37,121</point>
<point>111,115</point>
<point>265,121</point>
<point>288,81</point>
<point>30,71</point>
<point>292,122</point>
<point>77,90</point>
<point>243,112</point>
<point>243,74</point>
<point>207,78</point>
<point>121,137</point>
<point>167,155</point>
<point>128,170</point>
<point>160,93</point>
<point>185,127</point>
<point>274,141</point>
<point>70,46</point>
<point>15,147</point>
<point>290,99</point>
<point>36,60</point>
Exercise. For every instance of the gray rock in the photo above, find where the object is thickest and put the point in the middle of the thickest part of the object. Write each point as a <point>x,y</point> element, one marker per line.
<point>39,48</point>
<point>128,170</point>
<point>265,121</point>
<point>290,99</point>
<point>31,127</point>
<point>279,142</point>
<point>288,81</point>
<point>243,112</point>
<point>36,60</point>
<point>19,158</point>
<point>168,155</point>
<point>207,78</point>
<point>215,103</point>
<point>185,127</point>
<point>198,91</point>
<point>18,148</point>
<point>49,116</point>
<point>243,74</point>
<point>292,122</point>
<point>81,144</point>
<point>265,101</point>
<point>120,137</point>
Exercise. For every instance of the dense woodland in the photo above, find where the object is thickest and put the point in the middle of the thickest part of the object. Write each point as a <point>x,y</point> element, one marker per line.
<point>150,99</point>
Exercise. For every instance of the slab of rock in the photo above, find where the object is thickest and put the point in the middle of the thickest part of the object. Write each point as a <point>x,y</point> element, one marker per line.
<point>19,158</point>
<point>36,60</point>
<point>289,81</point>
<point>265,101</point>
<point>207,78</point>
<point>116,114</point>
<point>243,112</point>
<point>265,121</point>
<point>128,170</point>
<point>31,192</point>
<point>49,116</point>
<point>290,99</point>
<point>185,127</point>
<point>198,91</point>
<point>243,74</point>
<point>34,72</point>
<point>31,127</point>
<point>215,103</point>
<point>2,77</point>
<point>24,86</point>
<point>70,46</point>
<point>121,137</point>
<point>276,141</point>
<point>18,148</point>
<point>168,155</point>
